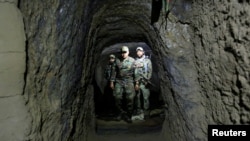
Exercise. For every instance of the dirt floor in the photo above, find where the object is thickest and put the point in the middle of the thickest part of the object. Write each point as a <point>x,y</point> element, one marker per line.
<point>139,130</point>
<point>128,137</point>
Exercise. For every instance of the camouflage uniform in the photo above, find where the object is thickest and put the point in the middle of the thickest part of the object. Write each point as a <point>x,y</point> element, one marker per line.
<point>108,70</point>
<point>107,100</point>
<point>143,67</point>
<point>124,78</point>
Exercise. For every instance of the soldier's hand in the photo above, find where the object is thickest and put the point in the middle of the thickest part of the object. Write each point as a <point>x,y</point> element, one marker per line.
<point>112,85</point>
<point>137,87</point>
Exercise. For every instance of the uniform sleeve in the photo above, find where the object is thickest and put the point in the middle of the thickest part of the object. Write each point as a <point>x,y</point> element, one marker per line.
<point>114,69</point>
<point>118,63</point>
<point>136,73</point>
<point>150,69</point>
<point>106,73</point>
<point>113,74</point>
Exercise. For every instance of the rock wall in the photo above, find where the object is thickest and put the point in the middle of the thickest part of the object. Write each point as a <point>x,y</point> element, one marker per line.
<point>55,47</point>
<point>222,55</point>
<point>208,65</point>
<point>14,118</point>
<point>178,76</point>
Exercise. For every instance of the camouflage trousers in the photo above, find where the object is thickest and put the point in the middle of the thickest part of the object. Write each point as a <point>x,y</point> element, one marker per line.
<point>144,91</point>
<point>128,89</point>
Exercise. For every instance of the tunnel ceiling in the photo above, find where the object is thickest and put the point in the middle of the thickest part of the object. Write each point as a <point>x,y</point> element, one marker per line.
<point>121,21</point>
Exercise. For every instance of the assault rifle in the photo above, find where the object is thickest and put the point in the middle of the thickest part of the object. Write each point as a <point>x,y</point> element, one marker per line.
<point>147,81</point>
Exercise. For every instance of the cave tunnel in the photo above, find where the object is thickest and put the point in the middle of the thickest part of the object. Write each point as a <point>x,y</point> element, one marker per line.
<point>52,53</point>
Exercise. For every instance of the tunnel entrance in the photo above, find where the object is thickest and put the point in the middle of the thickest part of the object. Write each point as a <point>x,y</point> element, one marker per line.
<point>61,63</point>
<point>105,108</point>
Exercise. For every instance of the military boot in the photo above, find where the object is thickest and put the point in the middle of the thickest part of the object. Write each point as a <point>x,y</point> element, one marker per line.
<point>120,111</point>
<point>128,118</point>
<point>147,114</point>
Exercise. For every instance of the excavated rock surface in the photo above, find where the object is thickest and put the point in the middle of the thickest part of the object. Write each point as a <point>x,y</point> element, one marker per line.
<point>222,55</point>
<point>55,66</point>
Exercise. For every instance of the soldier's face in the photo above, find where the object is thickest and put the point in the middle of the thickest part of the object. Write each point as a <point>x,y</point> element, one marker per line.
<point>125,54</point>
<point>111,60</point>
<point>139,53</point>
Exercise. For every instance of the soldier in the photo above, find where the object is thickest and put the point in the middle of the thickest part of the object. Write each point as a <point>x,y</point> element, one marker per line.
<point>124,77</point>
<point>108,98</point>
<point>143,67</point>
<point>110,67</point>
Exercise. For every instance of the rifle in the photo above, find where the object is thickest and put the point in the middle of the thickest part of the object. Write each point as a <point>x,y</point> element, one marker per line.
<point>147,81</point>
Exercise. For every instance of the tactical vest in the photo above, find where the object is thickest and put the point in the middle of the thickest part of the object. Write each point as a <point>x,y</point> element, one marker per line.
<point>143,71</point>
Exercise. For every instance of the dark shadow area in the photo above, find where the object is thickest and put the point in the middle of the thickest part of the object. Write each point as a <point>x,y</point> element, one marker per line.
<point>105,104</point>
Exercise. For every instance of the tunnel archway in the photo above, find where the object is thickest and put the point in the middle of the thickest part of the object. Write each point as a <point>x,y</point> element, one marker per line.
<point>106,26</point>
<point>112,23</point>
<point>109,27</point>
